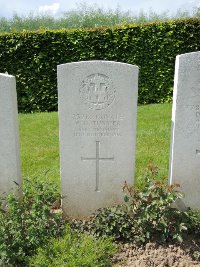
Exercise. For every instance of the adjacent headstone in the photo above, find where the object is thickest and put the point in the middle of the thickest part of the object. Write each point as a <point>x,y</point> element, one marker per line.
<point>185,140</point>
<point>9,139</point>
<point>97,103</point>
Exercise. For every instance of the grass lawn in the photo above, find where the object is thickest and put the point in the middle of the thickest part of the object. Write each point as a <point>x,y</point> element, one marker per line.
<point>153,138</point>
<point>40,147</point>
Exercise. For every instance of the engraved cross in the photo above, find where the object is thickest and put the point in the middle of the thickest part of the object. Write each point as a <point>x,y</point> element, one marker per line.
<point>99,89</point>
<point>97,159</point>
<point>98,84</point>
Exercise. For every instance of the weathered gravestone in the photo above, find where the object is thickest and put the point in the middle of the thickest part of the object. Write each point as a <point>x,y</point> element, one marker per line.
<point>97,117</point>
<point>185,143</point>
<point>9,138</point>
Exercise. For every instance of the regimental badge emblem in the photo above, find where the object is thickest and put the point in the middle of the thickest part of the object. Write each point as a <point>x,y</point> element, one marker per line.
<point>97,91</point>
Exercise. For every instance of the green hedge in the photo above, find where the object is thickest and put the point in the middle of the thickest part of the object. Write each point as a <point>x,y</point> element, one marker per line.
<point>33,56</point>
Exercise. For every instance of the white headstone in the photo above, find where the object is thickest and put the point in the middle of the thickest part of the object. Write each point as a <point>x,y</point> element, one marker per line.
<point>9,137</point>
<point>97,102</point>
<point>185,141</point>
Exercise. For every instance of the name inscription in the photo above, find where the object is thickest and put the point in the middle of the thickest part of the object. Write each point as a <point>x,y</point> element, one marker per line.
<point>97,125</point>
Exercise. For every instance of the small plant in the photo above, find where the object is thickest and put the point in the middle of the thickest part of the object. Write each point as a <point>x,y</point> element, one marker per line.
<point>112,222</point>
<point>151,209</point>
<point>28,224</point>
<point>192,220</point>
<point>75,250</point>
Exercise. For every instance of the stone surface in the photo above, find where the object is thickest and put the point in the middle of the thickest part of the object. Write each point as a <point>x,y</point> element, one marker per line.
<point>9,137</point>
<point>185,140</point>
<point>97,122</point>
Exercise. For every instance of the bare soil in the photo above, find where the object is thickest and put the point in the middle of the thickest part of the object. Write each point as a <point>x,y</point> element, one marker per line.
<point>153,254</point>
